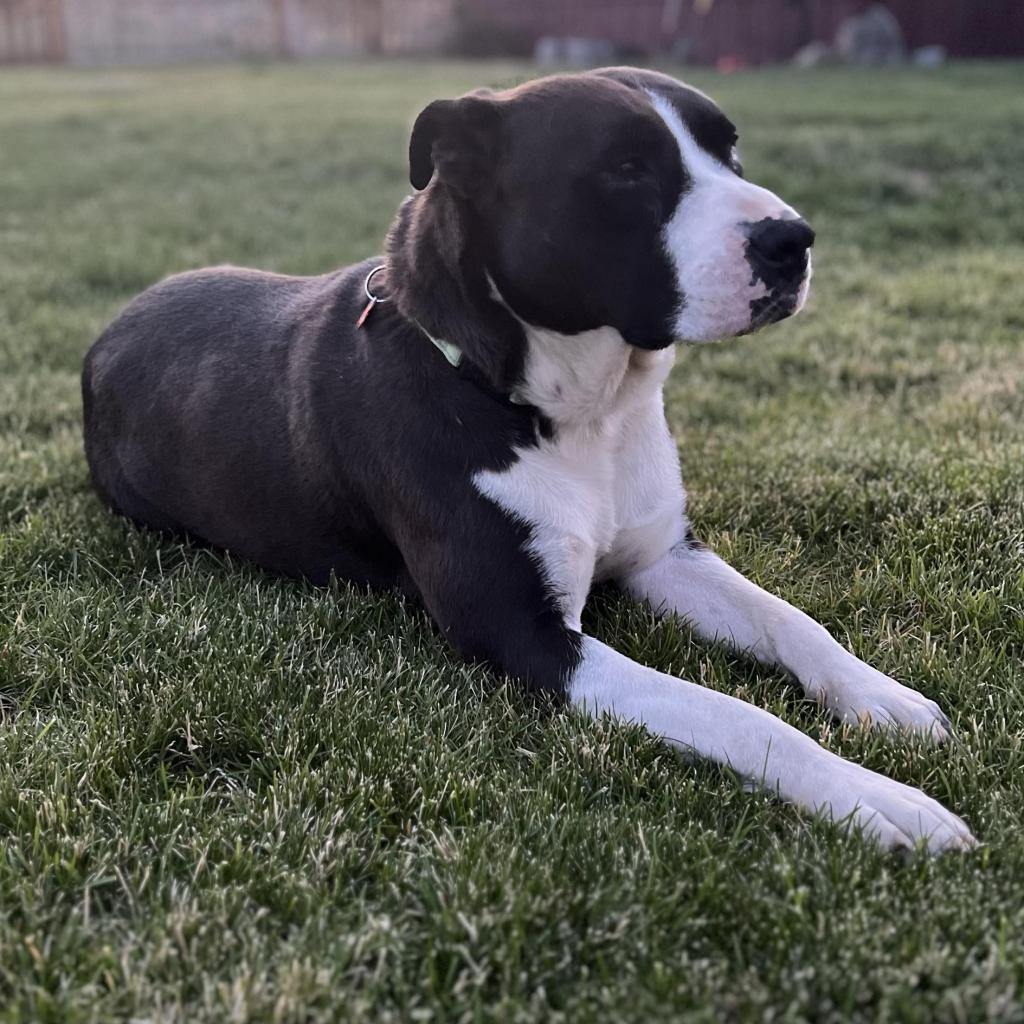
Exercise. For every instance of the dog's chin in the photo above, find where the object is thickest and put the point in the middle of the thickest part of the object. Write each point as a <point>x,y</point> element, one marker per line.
<point>760,316</point>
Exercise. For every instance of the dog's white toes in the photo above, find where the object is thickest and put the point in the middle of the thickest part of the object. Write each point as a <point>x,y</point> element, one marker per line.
<point>922,717</point>
<point>863,695</point>
<point>895,815</point>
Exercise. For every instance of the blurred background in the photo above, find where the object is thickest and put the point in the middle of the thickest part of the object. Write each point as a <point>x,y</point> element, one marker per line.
<point>727,34</point>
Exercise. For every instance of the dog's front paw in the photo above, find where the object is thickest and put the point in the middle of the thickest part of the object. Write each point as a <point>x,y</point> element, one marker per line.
<point>855,692</point>
<point>890,813</point>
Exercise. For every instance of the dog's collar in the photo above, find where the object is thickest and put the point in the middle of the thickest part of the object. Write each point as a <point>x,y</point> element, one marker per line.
<point>450,351</point>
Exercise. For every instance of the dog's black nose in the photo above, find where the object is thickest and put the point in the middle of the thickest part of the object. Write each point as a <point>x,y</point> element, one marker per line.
<point>782,244</point>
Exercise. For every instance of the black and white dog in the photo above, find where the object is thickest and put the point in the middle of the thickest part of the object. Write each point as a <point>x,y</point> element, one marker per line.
<point>489,436</point>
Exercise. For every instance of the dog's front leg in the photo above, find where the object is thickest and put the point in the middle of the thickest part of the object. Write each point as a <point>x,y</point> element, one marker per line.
<point>762,748</point>
<point>723,605</point>
<point>499,612</point>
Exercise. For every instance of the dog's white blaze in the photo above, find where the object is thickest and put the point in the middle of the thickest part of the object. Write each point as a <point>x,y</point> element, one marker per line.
<point>604,495</point>
<point>706,240</point>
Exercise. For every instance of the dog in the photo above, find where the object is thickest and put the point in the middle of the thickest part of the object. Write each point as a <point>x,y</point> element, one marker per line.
<point>476,418</point>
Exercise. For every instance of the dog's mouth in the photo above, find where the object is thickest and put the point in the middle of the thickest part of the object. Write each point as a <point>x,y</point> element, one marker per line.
<point>779,304</point>
<point>770,310</point>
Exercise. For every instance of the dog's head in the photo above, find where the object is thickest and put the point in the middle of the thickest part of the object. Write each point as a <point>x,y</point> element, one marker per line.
<point>614,198</point>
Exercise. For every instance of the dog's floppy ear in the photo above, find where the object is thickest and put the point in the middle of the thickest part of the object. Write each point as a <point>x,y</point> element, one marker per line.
<point>459,140</point>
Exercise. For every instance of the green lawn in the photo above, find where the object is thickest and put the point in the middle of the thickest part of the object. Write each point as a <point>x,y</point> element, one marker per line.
<point>228,797</point>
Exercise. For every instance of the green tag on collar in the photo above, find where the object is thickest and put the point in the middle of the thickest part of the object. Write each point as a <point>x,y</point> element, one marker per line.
<point>454,356</point>
<point>451,352</point>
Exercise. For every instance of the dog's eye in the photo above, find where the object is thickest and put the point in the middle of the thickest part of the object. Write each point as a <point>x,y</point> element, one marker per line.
<point>631,170</point>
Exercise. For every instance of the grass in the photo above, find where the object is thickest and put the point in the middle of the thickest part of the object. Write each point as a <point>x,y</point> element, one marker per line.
<point>228,797</point>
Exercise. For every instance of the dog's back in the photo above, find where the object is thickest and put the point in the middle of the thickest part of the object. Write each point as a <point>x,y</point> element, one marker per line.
<point>188,426</point>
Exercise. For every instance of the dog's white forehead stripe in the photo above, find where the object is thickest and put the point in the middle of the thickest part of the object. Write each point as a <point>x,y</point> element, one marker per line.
<point>696,160</point>
<point>706,237</point>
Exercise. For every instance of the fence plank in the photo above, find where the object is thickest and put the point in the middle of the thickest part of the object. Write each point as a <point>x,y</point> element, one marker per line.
<point>28,32</point>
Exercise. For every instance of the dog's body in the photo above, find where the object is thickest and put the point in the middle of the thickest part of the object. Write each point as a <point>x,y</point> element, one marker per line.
<point>565,235</point>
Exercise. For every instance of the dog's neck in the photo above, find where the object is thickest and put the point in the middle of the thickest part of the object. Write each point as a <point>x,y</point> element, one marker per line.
<point>438,279</point>
<point>589,379</point>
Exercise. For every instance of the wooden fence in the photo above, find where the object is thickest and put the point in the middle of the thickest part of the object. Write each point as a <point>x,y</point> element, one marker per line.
<point>755,31</point>
<point>102,32</point>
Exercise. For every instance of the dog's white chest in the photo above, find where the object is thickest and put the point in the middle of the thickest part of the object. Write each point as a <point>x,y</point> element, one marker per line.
<point>604,494</point>
<point>564,491</point>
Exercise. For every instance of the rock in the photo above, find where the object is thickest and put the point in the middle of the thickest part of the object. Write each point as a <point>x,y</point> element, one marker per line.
<point>929,56</point>
<point>548,52</point>
<point>585,53</point>
<point>871,39</point>
<point>573,51</point>
<point>815,55</point>
<point>682,50</point>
